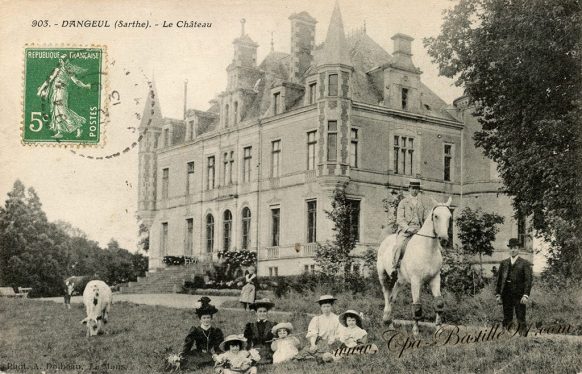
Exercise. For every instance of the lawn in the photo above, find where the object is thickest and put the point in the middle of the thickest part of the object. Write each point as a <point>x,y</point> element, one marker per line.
<point>37,335</point>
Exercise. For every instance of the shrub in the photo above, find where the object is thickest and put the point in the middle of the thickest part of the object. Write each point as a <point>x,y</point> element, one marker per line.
<point>458,275</point>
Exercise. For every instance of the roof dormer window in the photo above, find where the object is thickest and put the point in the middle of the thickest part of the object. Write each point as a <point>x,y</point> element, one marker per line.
<point>276,103</point>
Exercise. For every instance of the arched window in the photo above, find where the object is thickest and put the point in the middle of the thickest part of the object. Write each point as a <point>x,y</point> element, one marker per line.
<point>209,233</point>
<point>236,112</point>
<point>246,228</point>
<point>226,115</point>
<point>227,232</point>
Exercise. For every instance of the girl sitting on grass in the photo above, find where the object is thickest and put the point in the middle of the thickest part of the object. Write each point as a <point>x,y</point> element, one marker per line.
<point>284,346</point>
<point>352,333</point>
<point>236,359</point>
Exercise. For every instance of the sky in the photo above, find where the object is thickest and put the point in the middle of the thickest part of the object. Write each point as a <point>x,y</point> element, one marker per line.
<point>100,196</point>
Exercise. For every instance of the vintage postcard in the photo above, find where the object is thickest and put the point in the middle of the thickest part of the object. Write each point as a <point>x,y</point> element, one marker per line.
<point>276,186</point>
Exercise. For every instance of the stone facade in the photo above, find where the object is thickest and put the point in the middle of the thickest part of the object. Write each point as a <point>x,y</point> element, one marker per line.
<point>258,168</point>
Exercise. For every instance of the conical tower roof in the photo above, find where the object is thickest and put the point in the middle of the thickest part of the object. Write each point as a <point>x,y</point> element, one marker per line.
<point>152,111</point>
<point>335,49</point>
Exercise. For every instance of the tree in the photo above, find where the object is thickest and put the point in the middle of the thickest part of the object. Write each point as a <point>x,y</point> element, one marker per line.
<point>333,257</point>
<point>477,230</point>
<point>30,247</point>
<point>520,64</point>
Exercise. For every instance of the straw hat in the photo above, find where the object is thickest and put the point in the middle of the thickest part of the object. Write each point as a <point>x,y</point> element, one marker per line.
<point>265,303</point>
<point>283,325</point>
<point>233,338</point>
<point>326,299</point>
<point>350,313</point>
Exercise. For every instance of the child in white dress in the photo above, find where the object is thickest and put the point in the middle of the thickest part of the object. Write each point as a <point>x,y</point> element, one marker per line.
<point>352,333</point>
<point>235,359</point>
<point>284,346</point>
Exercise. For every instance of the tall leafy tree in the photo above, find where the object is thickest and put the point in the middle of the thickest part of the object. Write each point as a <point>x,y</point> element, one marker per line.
<point>477,231</point>
<point>334,256</point>
<point>520,63</point>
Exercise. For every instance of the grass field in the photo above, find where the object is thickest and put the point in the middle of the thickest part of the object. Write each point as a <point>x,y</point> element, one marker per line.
<point>43,336</point>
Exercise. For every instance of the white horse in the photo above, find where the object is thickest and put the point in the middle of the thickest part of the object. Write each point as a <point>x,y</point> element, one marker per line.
<point>421,262</point>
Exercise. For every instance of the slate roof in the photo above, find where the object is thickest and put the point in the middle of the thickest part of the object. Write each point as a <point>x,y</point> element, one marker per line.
<point>358,50</point>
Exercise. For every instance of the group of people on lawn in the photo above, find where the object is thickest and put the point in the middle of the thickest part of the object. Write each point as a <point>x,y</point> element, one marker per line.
<point>264,341</point>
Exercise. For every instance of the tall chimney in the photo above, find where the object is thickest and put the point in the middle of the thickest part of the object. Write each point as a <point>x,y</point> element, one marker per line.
<point>403,50</point>
<point>302,43</point>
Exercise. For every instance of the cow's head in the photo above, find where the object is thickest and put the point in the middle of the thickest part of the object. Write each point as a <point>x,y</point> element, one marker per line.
<point>93,325</point>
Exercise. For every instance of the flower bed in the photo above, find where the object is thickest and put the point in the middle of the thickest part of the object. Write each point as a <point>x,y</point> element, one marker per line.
<point>179,260</point>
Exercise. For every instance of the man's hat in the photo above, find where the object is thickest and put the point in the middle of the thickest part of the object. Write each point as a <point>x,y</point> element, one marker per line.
<point>350,313</point>
<point>326,299</point>
<point>513,242</point>
<point>264,303</point>
<point>233,338</point>
<point>414,183</point>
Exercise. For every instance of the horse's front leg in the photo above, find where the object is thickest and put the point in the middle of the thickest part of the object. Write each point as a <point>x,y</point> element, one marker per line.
<point>435,287</point>
<point>385,282</point>
<point>415,285</point>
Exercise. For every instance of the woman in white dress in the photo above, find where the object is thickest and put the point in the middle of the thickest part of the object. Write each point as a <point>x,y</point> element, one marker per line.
<point>248,292</point>
<point>322,331</point>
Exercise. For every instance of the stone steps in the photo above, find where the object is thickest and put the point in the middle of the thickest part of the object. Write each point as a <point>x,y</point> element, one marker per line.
<point>169,280</point>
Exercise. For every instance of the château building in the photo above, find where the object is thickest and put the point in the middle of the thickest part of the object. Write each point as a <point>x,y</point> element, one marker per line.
<point>257,169</point>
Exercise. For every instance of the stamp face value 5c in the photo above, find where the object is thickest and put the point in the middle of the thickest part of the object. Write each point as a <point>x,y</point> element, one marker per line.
<point>62,95</point>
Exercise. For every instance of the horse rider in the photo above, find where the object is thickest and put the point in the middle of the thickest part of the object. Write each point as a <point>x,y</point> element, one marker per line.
<point>410,216</point>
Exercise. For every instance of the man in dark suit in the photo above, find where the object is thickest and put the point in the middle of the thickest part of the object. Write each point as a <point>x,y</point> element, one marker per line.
<point>514,281</point>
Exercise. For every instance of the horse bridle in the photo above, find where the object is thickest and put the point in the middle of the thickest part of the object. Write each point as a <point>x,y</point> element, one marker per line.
<point>431,218</point>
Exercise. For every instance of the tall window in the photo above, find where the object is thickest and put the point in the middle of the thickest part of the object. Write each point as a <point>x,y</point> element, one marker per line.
<point>164,249</point>
<point>275,226</point>
<point>355,218</point>
<point>210,176</point>
<point>246,228</point>
<point>448,158</point>
<point>450,231</point>
<point>231,167</point>
<point>165,182</point>
<point>311,146</point>
<point>225,164</point>
<point>331,140</point>
<point>311,221</point>
<point>332,85</point>
<point>247,157</point>
<point>188,244</point>
<point>354,148</point>
<point>276,103</point>
<point>166,137</point>
<point>405,98</point>
<point>190,177</point>
<point>226,115</point>
<point>227,229</point>
<point>312,93</point>
<point>209,233</point>
<point>275,158</point>
<point>236,112</point>
<point>273,271</point>
<point>403,155</point>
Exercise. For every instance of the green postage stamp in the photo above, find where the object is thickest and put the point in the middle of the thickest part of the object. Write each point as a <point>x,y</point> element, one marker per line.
<point>62,95</point>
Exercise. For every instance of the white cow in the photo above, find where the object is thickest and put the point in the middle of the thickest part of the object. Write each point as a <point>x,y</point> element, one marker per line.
<point>97,300</point>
